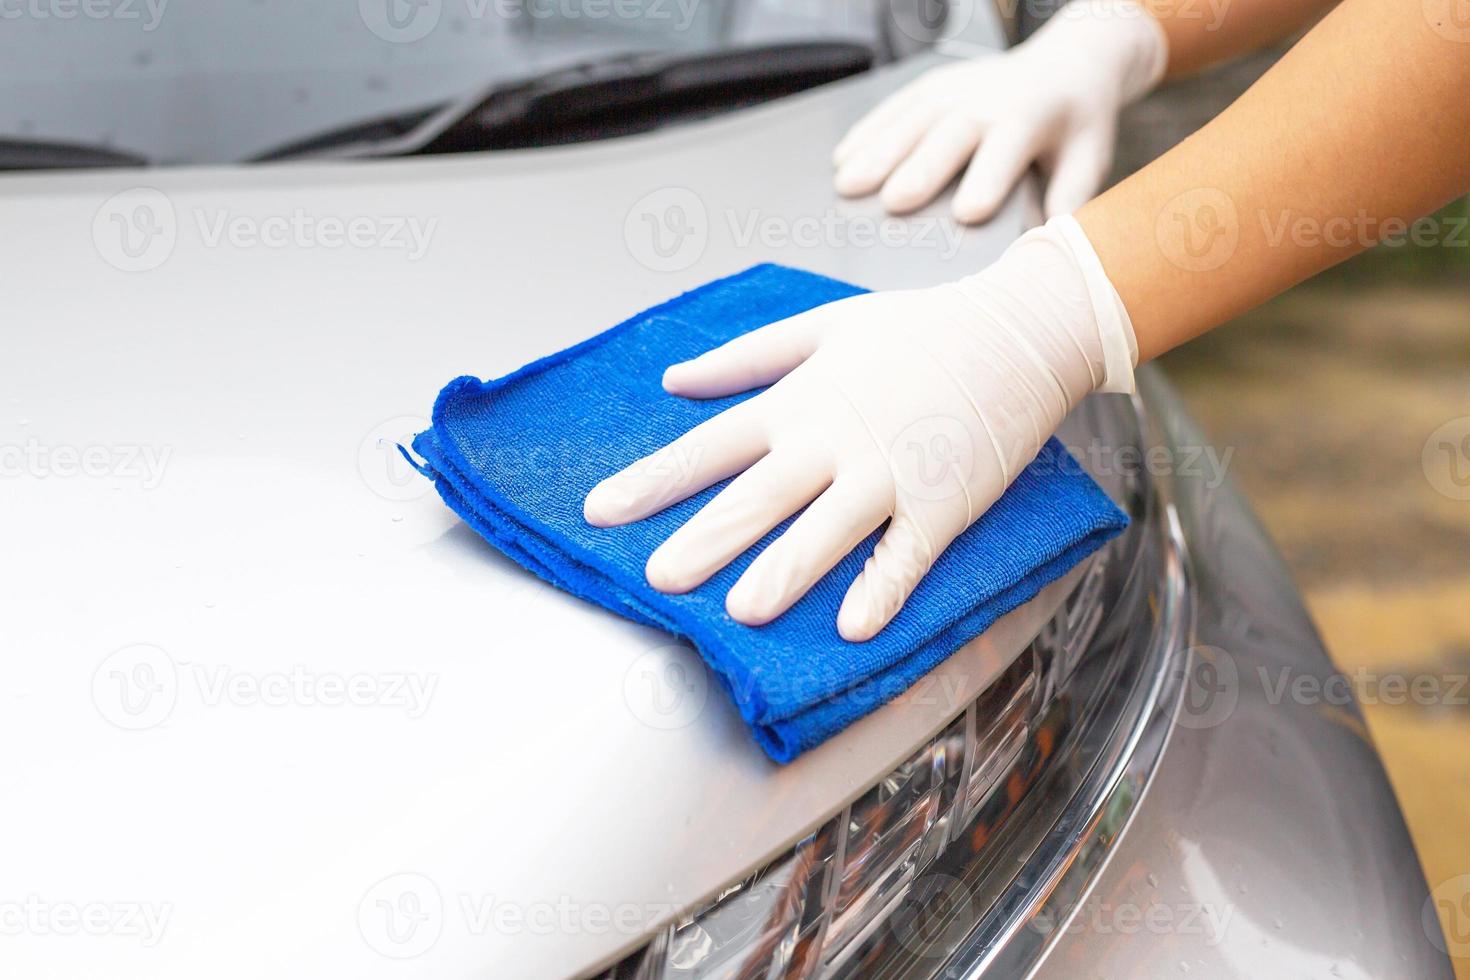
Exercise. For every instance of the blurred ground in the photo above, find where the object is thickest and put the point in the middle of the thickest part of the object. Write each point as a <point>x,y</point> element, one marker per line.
<point>1335,398</point>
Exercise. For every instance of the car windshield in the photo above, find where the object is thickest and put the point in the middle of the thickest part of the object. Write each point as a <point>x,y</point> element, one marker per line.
<point>214,81</point>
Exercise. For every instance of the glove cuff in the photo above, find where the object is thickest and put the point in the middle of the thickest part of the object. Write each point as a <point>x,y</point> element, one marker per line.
<point>1114,326</point>
<point>1050,294</point>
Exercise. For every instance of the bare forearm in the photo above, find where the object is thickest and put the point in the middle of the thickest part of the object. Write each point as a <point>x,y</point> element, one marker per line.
<point>1361,128</point>
<point>1202,33</point>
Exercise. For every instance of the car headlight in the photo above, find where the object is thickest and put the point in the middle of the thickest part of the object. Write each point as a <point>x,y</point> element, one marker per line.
<point>965,856</point>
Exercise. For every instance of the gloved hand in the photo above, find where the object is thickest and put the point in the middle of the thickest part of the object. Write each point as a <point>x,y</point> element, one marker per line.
<point>916,407</point>
<point>1055,98</point>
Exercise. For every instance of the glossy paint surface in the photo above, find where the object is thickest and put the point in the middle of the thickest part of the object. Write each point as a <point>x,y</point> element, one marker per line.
<point>272,689</point>
<point>1269,842</point>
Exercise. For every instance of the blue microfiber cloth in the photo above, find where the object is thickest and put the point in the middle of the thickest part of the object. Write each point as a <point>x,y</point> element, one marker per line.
<point>515,457</point>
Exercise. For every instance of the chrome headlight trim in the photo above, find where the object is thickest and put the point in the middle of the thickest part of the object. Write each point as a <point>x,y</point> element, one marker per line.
<point>1034,908</point>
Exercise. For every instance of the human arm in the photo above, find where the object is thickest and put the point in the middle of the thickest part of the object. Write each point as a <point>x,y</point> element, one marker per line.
<point>1204,33</point>
<point>1361,128</point>
<point>1368,113</point>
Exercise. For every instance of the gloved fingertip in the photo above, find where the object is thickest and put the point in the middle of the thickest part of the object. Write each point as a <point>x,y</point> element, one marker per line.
<point>903,196</point>
<point>856,623</point>
<point>973,209</point>
<point>676,378</point>
<point>856,180</point>
<point>745,606</point>
<point>606,505</point>
<point>664,573</point>
<point>593,514</point>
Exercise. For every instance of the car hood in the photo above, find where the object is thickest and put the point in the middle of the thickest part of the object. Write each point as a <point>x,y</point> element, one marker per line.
<point>273,691</point>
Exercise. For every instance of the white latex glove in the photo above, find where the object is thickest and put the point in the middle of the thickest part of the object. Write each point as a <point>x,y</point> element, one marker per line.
<point>916,407</point>
<point>1053,99</point>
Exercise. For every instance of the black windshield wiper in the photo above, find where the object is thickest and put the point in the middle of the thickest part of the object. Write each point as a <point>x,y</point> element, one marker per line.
<point>32,154</point>
<point>613,97</point>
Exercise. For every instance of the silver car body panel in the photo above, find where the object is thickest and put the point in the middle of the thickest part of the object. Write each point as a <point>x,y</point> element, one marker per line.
<point>183,623</point>
<point>259,380</point>
<point>1269,843</point>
